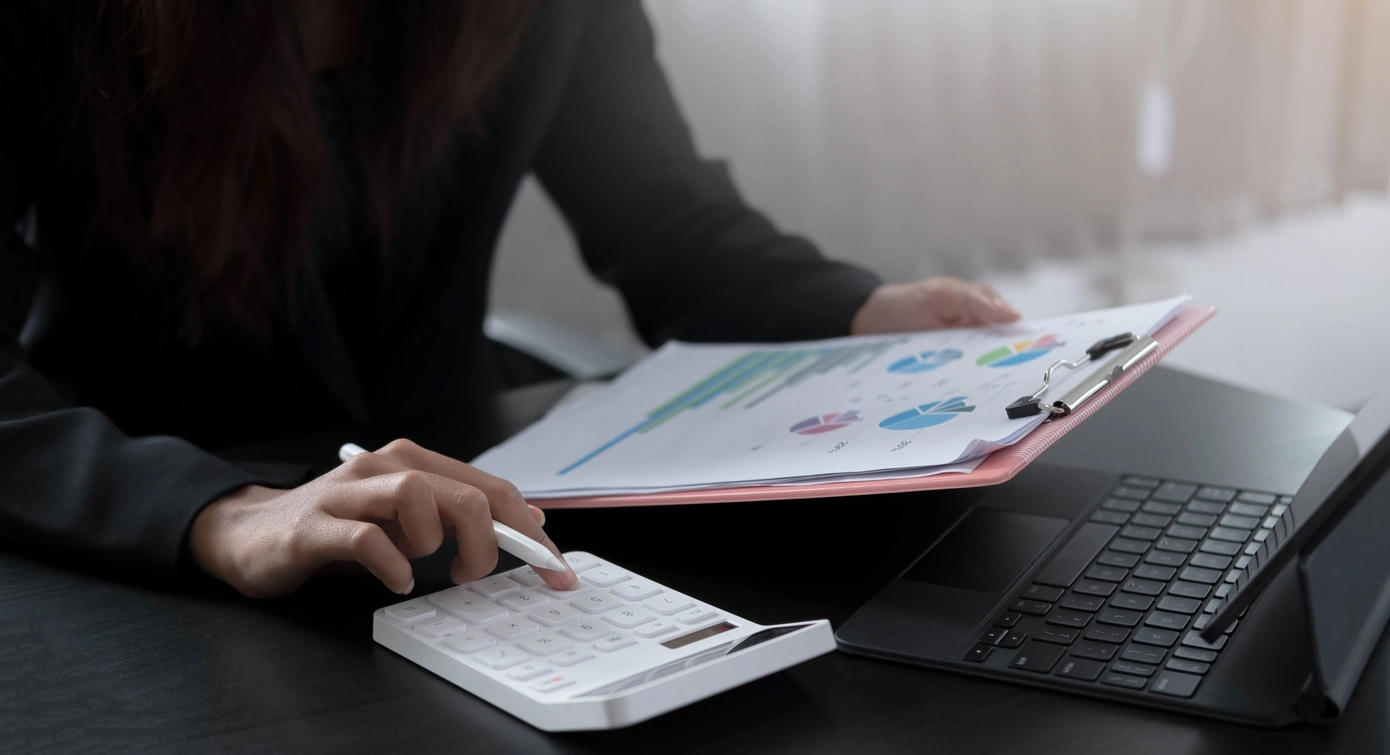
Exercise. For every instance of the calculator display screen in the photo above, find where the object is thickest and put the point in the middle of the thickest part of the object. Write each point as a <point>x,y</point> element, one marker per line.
<point>684,640</point>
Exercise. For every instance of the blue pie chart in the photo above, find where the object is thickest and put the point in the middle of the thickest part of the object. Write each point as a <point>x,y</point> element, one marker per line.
<point>927,360</point>
<point>927,415</point>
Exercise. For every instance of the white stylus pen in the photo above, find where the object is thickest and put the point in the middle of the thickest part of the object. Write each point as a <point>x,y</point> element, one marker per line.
<point>508,539</point>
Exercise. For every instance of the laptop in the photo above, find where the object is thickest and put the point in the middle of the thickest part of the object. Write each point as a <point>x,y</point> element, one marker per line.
<point>1257,606</point>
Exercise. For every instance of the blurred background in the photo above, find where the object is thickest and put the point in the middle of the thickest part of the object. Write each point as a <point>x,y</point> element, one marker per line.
<point>1075,154</point>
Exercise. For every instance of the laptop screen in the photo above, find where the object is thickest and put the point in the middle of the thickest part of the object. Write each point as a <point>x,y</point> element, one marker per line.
<point>1350,467</point>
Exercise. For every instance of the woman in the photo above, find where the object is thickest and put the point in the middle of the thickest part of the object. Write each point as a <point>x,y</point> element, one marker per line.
<point>223,222</point>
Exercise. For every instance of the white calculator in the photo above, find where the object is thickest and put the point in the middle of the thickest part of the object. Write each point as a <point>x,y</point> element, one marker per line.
<point>616,650</point>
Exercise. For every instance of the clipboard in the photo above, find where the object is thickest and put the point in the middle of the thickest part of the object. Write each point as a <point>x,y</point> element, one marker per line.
<point>998,467</point>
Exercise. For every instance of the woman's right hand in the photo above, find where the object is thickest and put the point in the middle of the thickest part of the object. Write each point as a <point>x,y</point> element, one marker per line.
<point>377,509</point>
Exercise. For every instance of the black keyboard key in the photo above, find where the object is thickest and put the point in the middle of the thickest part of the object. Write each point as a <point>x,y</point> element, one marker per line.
<point>993,636</point>
<point>1109,517</point>
<point>1188,667</point>
<point>1112,635</point>
<point>1098,651</point>
<point>1118,617</point>
<point>1031,607</point>
<point>1189,590</point>
<point>1222,495</point>
<point>1120,505</point>
<point>1141,533</point>
<point>1247,509</point>
<point>1135,669</point>
<point>1115,558</point>
<point>1161,508</point>
<point>1193,654</point>
<point>1206,507</point>
<point>1196,520</point>
<point>1128,682</point>
<point>1151,520</point>
<point>1201,622</point>
<point>1160,573</point>
<point>1144,654</point>
<point>1194,640</point>
<point>1107,573</point>
<point>1263,499</point>
<point>1213,605</point>
<point>1008,620</point>
<point>1187,531</point>
<point>1143,587</point>
<point>1165,620</point>
<point>1176,544</point>
<point>1040,592</point>
<point>1220,547</point>
<point>1141,482</point>
<point>1223,590</point>
<point>1077,668</point>
<point>1175,684</point>
<point>1074,557</point>
<point>978,653</point>
<point>1129,546</point>
<point>1166,558</point>
<point>1013,640</point>
<point>1151,636</point>
<point>1175,492</point>
<point>1211,561</point>
<point>1064,618</point>
<point>1058,635</point>
<point>1131,602</point>
<point>1037,656</point>
<point>1088,603</point>
<point>1132,493</point>
<point>1094,587</point>
<point>1229,534</point>
<point>1174,604</point>
<point>1198,574</point>
<point>1240,522</point>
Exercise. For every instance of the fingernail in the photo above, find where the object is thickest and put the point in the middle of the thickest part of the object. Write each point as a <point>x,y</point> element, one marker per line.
<point>410,587</point>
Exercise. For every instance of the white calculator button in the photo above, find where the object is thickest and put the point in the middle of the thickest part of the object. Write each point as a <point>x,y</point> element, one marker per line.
<point>596,602</point>
<point>411,612</point>
<point>503,657</point>
<point>605,576</point>
<point>525,600</point>
<point>570,657</point>
<point>526,576</point>
<point>564,594</point>
<point>636,589</point>
<point>628,617</point>
<point>439,626</point>
<point>696,615</point>
<point>587,630</point>
<point>528,671</point>
<point>495,587</point>
<point>552,683</point>
<point>555,615</point>
<point>581,561</point>
<point>468,606</point>
<point>514,628</point>
<point>543,644</point>
<point>668,603</point>
<point>614,642</point>
<point>469,642</point>
<point>658,627</point>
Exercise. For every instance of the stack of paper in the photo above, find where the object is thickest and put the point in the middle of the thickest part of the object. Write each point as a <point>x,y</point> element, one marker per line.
<point>695,416</point>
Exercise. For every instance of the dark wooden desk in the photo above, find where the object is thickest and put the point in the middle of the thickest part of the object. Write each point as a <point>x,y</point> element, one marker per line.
<point>90,661</point>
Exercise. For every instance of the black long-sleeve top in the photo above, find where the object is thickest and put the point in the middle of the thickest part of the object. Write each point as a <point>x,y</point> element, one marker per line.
<point>105,417</point>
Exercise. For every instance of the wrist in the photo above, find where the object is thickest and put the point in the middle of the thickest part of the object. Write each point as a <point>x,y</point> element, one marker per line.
<point>211,539</point>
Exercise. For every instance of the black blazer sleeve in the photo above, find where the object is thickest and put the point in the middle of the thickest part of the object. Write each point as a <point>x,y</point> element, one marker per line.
<point>666,227</point>
<point>70,481</point>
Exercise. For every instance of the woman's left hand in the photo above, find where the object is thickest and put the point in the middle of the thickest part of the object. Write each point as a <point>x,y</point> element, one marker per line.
<point>931,304</point>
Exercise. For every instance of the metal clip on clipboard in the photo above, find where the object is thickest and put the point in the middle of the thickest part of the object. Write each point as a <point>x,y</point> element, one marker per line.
<point>1134,348</point>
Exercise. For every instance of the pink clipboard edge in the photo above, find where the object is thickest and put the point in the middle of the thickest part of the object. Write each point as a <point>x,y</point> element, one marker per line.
<point>999,467</point>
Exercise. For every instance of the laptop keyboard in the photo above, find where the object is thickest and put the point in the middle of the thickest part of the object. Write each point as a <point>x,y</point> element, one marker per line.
<point>1121,604</point>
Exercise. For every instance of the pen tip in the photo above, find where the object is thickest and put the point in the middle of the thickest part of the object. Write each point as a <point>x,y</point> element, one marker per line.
<point>555,564</point>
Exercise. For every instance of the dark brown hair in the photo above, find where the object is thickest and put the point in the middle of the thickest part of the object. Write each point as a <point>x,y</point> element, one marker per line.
<point>212,165</point>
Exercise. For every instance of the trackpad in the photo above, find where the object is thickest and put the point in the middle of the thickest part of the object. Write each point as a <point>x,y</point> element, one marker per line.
<point>986,550</point>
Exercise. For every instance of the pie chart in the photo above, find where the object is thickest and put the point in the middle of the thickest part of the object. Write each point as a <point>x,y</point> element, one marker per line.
<point>1018,353</point>
<point>927,415</point>
<point>826,423</point>
<point>927,360</point>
